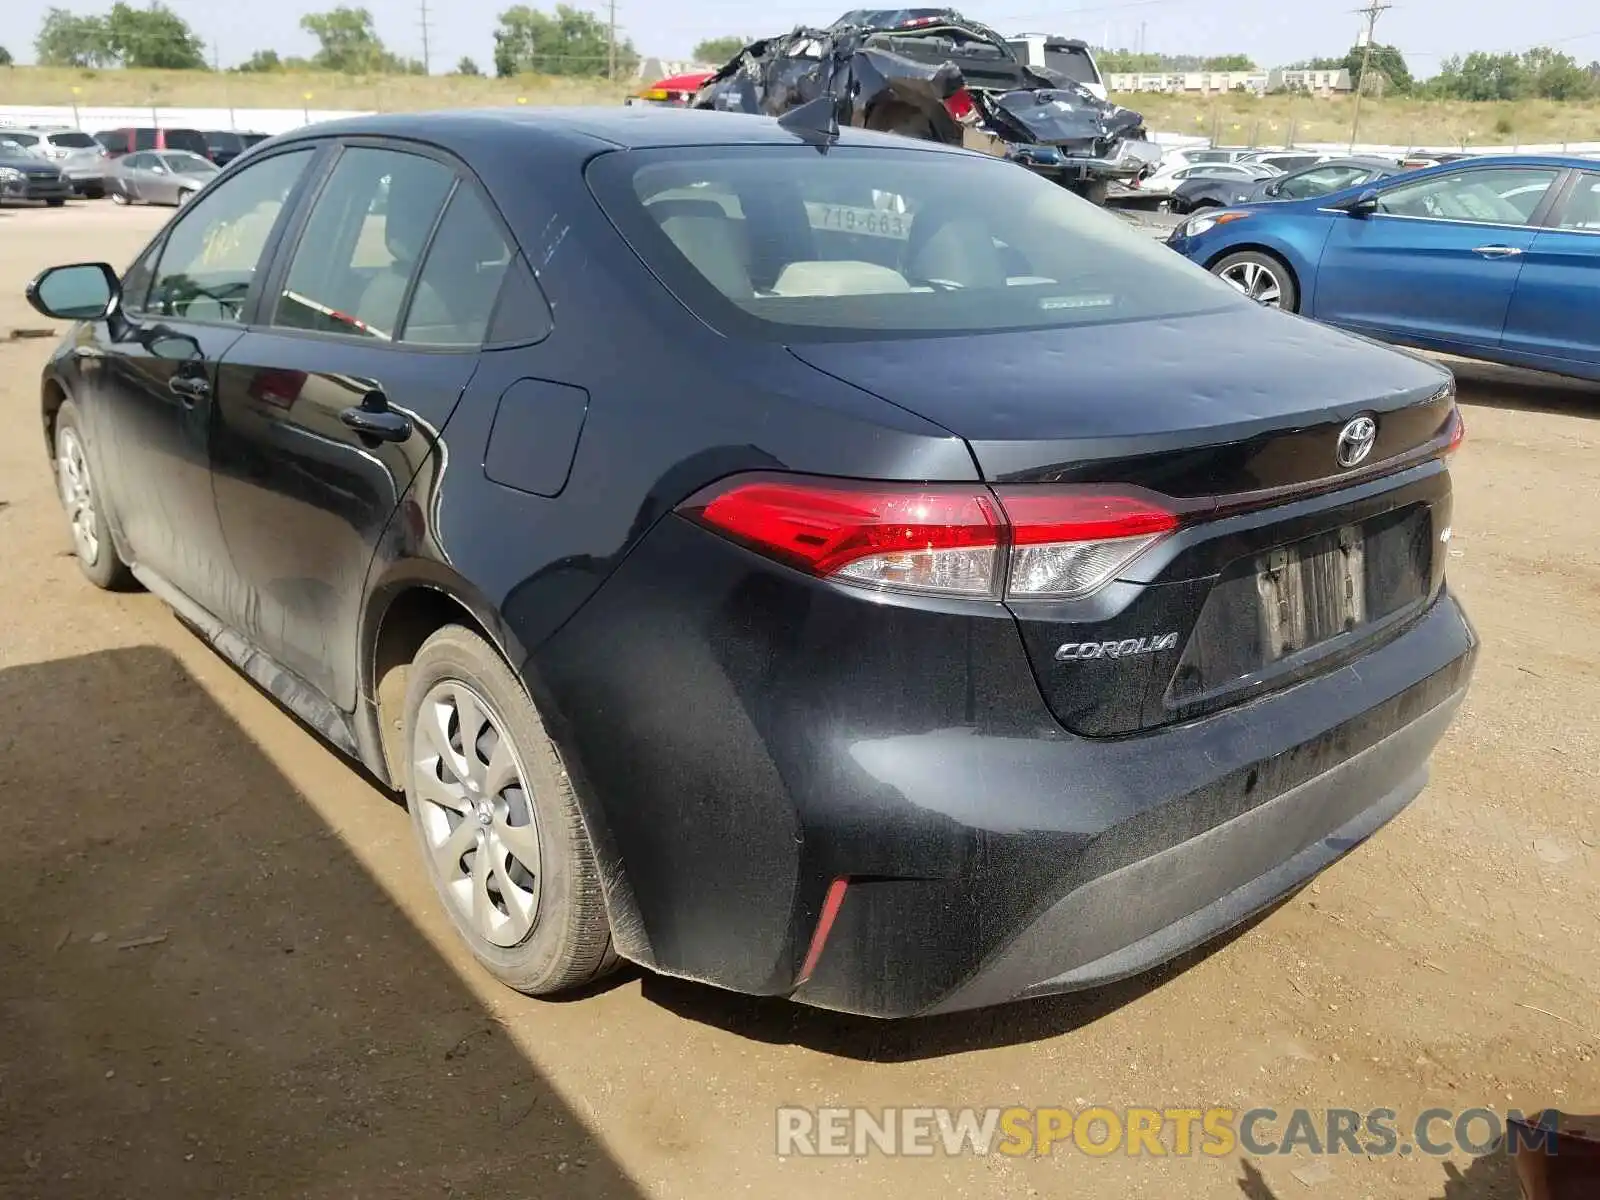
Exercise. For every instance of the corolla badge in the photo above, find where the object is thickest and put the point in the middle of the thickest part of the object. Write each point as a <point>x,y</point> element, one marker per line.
<point>1355,441</point>
<point>1077,651</point>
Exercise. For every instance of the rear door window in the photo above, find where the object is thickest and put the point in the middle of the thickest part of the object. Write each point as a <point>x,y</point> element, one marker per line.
<point>781,243</point>
<point>461,277</point>
<point>73,140</point>
<point>114,140</point>
<point>352,271</point>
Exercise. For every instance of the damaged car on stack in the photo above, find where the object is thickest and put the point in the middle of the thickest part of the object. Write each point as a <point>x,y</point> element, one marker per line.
<point>932,73</point>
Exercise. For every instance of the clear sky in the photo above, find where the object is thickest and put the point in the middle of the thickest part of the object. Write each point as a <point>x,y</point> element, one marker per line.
<point>1272,31</point>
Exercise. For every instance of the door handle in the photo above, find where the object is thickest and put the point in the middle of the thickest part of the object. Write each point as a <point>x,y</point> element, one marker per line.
<point>1497,251</point>
<point>190,387</point>
<point>375,419</point>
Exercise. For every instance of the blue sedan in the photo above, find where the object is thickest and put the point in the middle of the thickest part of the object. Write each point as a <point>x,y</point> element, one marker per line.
<point>1497,258</point>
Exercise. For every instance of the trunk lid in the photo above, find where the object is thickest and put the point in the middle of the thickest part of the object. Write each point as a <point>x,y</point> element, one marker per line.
<point>1287,563</point>
<point>1268,392</point>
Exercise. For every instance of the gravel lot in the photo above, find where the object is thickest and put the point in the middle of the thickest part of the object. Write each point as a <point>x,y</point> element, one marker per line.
<point>304,1026</point>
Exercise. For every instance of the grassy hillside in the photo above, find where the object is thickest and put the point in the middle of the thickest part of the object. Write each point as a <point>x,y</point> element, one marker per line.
<point>204,89</point>
<point>1439,124</point>
<point>1232,119</point>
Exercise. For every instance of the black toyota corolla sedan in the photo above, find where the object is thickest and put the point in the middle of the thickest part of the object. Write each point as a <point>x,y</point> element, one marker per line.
<point>824,565</point>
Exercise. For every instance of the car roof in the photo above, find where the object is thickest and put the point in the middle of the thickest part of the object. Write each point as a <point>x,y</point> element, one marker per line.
<point>585,131</point>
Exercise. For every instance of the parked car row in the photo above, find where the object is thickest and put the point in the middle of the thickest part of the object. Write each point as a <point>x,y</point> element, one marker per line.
<point>1493,257</point>
<point>139,164</point>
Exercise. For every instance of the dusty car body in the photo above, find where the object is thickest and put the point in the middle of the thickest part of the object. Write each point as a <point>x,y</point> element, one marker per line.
<point>934,74</point>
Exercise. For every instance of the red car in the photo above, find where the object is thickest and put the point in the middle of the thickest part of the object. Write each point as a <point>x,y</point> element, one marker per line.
<point>676,91</point>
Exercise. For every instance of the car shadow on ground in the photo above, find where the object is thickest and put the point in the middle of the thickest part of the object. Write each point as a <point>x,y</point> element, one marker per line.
<point>1492,1177</point>
<point>1523,391</point>
<point>205,994</point>
<point>779,1021</point>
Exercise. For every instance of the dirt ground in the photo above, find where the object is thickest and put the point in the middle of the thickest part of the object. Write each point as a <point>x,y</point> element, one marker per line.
<point>305,1026</point>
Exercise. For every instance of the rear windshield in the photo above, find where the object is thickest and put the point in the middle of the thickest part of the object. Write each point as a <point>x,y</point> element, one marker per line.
<point>224,140</point>
<point>1075,64</point>
<point>73,140</point>
<point>185,139</point>
<point>185,163</point>
<point>19,138</point>
<point>865,243</point>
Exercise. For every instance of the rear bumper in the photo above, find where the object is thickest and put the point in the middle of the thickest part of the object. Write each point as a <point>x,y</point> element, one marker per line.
<point>35,189</point>
<point>744,738</point>
<point>1143,914</point>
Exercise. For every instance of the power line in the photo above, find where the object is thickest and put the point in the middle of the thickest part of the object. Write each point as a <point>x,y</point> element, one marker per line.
<point>1372,12</point>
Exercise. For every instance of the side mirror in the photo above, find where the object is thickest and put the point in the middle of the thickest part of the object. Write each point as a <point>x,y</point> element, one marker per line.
<point>157,170</point>
<point>80,292</point>
<point>1363,205</point>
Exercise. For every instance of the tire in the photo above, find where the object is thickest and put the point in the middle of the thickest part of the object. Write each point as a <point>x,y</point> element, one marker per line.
<point>1265,278</point>
<point>85,506</point>
<point>563,938</point>
<point>1096,192</point>
<point>94,193</point>
<point>184,197</point>
<point>56,201</point>
<point>119,197</point>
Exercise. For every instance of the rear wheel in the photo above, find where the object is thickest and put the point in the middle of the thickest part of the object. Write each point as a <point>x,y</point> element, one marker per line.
<point>184,196</point>
<point>1265,278</point>
<point>119,197</point>
<point>56,201</point>
<point>91,535</point>
<point>496,820</point>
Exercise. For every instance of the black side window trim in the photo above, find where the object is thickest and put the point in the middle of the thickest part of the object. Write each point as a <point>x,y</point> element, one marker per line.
<point>269,249</point>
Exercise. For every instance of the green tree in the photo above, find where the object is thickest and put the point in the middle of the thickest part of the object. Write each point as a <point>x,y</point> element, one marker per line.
<point>1556,76</point>
<point>261,61</point>
<point>153,37</point>
<point>5,57</point>
<point>571,42</point>
<point>1481,76</point>
<point>467,67</point>
<point>1386,61</point>
<point>350,44</point>
<point>1229,62</point>
<point>68,40</point>
<point>719,50</point>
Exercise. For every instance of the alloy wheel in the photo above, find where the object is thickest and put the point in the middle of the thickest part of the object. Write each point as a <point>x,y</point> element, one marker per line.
<point>476,814</point>
<point>77,495</point>
<point>1256,280</point>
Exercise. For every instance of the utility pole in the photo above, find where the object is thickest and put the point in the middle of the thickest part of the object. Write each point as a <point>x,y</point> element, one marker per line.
<point>1372,12</point>
<point>426,65</point>
<point>611,39</point>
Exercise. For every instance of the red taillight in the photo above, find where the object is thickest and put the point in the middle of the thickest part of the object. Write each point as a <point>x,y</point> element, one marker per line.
<point>913,539</point>
<point>1458,431</point>
<point>949,540</point>
<point>959,104</point>
<point>1072,542</point>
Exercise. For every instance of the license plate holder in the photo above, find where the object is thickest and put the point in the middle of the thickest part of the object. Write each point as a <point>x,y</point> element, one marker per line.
<point>1311,591</point>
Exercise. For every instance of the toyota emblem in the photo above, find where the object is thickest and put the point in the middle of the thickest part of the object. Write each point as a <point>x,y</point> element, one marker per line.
<point>1355,441</point>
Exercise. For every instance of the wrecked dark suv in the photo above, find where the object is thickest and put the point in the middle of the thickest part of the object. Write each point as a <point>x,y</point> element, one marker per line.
<point>932,73</point>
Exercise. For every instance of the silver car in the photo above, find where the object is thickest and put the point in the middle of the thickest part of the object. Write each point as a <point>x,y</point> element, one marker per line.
<point>82,160</point>
<point>159,177</point>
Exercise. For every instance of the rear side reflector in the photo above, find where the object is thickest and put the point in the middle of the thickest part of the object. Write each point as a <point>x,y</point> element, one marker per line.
<point>952,540</point>
<point>1457,431</point>
<point>819,939</point>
